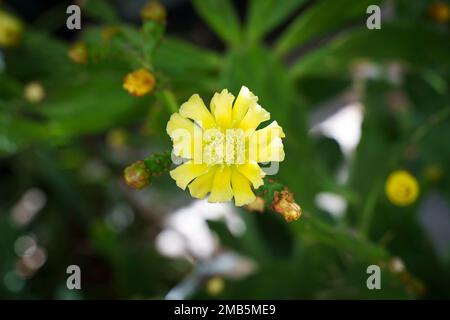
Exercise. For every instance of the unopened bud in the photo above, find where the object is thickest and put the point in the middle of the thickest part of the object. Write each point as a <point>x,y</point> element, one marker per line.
<point>34,92</point>
<point>137,175</point>
<point>78,53</point>
<point>154,11</point>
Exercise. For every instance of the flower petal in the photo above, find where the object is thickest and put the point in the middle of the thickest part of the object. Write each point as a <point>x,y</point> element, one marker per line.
<point>200,187</point>
<point>221,189</point>
<point>274,151</point>
<point>244,100</point>
<point>252,172</point>
<point>185,136</point>
<point>242,191</point>
<point>221,106</point>
<point>195,109</point>
<point>265,135</point>
<point>254,116</point>
<point>186,172</point>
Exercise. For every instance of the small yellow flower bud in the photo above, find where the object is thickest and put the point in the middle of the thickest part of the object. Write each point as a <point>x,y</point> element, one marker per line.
<point>34,92</point>
<point>153,10</point>
<point>401,188</point>
<point>78,53</point>
<point>139,82</point>
<point>257,205</point>
<point>137,176</point>
<point>215,286</point>
<point>440,12</point>
<point>11,30</point>
<point>284,204</point>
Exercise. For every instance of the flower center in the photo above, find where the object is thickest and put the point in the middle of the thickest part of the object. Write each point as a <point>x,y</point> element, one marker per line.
<point>224,148</point>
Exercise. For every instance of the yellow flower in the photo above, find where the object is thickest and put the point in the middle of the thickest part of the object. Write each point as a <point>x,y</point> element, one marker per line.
<point>401,188</point>
<point>11,30</point>
<point>223,146</point>
<point>34,92</point>
<point>139,82</point>
<point>78,53</point>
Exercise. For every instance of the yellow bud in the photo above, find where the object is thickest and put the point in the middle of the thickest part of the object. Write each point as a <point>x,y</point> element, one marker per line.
<point>440,12</point>
<point>34,92</point>
<point>139,82</point>
<point>137,176</point>
<point>215,286</point>
<point>284,204</point>
<point>11,30</point>
<point>256,205</point>
<point>401,188</point>
<point>154,11</point>
<point>78,53</point>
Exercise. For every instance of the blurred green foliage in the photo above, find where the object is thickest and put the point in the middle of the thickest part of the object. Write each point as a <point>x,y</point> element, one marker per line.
<point>296,56</point>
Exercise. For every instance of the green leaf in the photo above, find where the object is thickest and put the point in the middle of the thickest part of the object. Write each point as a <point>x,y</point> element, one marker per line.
<point>81,107</point>
<point>180,58</point>
<point>265,15</point>
<point>265,76</point>
<point>221,17</point>
<point>392,42</point>
<point>324,17</point>
<point>101,10</point>
<point>17,132</point>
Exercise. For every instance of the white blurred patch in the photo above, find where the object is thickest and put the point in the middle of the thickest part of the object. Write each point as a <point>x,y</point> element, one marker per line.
<point>344,126</point>
<point>28,206</point>
<point>332,203</point>
<point>187,231</point>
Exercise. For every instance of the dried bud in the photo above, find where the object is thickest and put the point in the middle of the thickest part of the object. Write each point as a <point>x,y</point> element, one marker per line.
<point>137,176</point>
<point>284,204</point>
<point>154,11</point>
<point>256,205</point>
<point>34,92</point>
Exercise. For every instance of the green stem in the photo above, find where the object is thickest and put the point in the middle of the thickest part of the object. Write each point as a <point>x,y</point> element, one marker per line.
<point>167,98</point>
<point>368,211</point>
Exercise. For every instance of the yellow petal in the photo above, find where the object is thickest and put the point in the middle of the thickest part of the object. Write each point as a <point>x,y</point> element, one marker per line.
<point>244,100</point>
<point>266,135</point>
<point>196,110</point>
<point>254,116</point>
<point>242,191</point>
<point>273,151</point>
<point>221,106</point>
<point>186,172</point>
<point>185,136</point>
<point>200,187</point>
<point>252,172</point>
<point>221,189</point>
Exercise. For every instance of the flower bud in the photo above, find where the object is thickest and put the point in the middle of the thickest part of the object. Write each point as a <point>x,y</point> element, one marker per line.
<point>78,53</point>
<point>11,30</point>
<point>284,204</point>
<point>154,11</point>
<point>137,176</point>
<point>139,82</point>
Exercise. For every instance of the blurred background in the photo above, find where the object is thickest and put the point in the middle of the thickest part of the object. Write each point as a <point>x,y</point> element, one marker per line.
<point>356,105</point>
